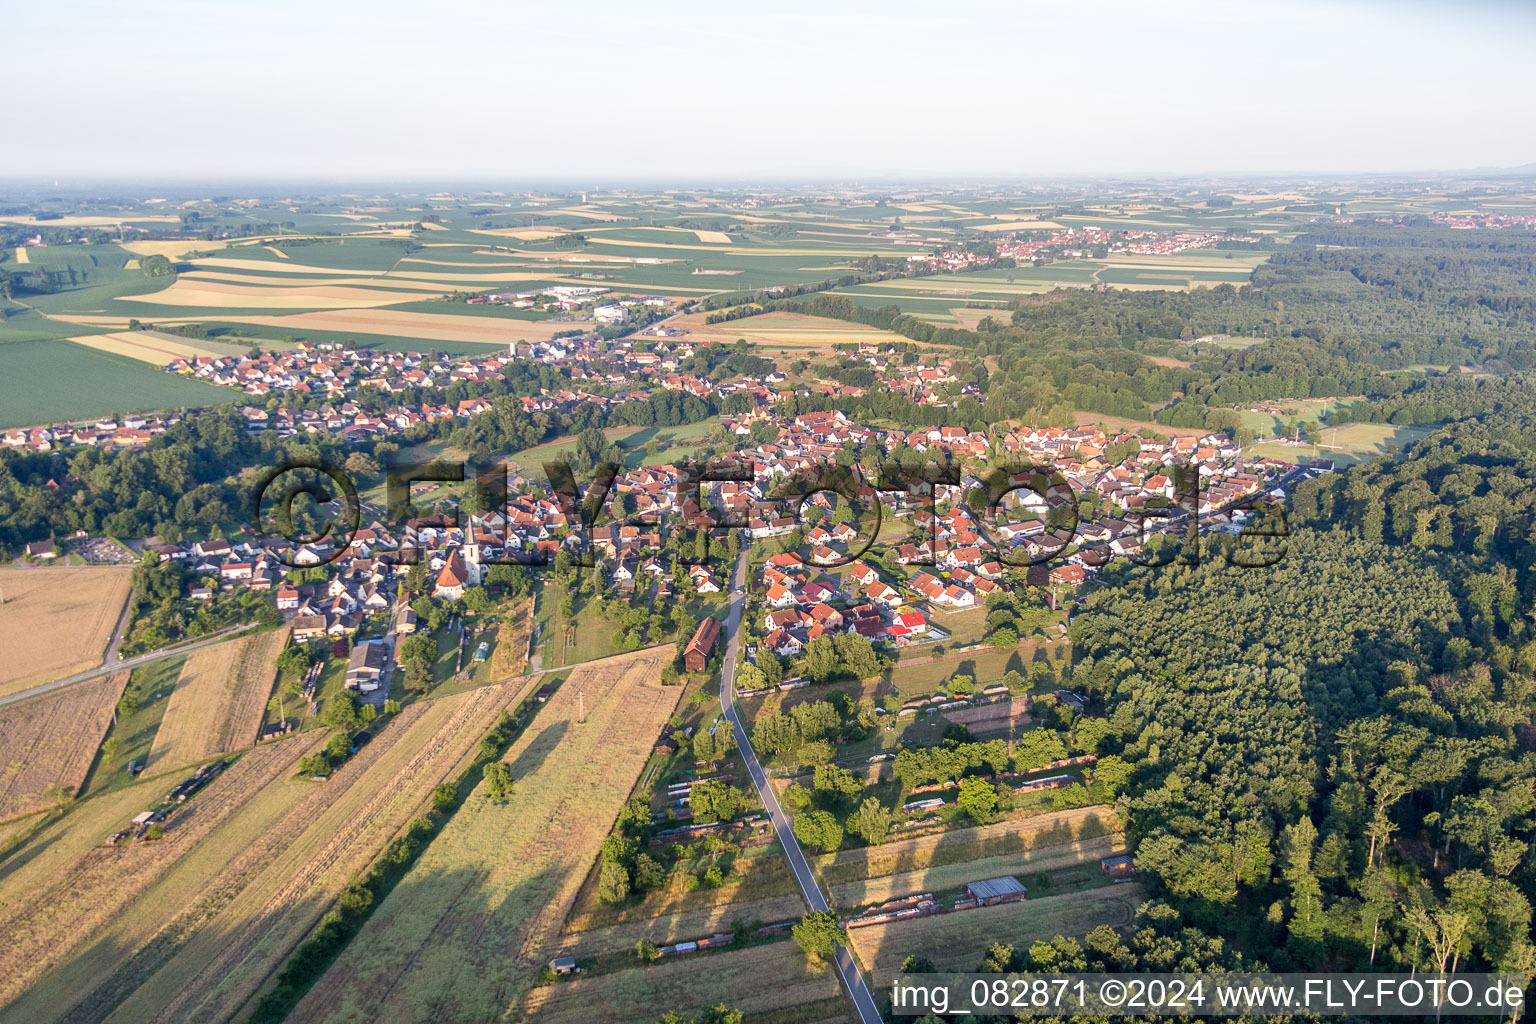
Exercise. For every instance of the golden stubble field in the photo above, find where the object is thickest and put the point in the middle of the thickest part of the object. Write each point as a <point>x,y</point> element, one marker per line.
<point>207,928</point>
<point>49,742</point>
<point>218,701</point>
<point>464,934</point>
<point>56,622</point>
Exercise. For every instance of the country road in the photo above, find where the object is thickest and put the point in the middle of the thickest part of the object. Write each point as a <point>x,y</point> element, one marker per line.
<point>114,664</point>
<point>847,967</point>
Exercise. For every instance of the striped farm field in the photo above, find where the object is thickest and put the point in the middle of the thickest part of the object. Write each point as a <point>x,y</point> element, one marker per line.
<point>201,941</point>
<point>61,899</point>
<point>48,743</point>
<point>218,702</point>
<point>464,933</point>
<point>405,324</point>
<point>957,941</point>
<point>147,348</point>
<point>223,295</point>
<point>56,621</point>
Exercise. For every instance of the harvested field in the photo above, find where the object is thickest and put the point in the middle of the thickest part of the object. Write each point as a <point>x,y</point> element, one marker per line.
<point>225,295</point>
<point>200,944</point>
<point>403,324</point>
<point>679,926</point>
<point>760,873</point>
<point>785,331</point>
<point>464,934</point>
<point>218,702</point>
<point>55,622</point>
<point>714,237</point>
<point>72,898</point>
<point>21,255</point>
<point>1011,835</point>
<point>50,741</point>
<point>952,876</point>
<point>140,345</point>
<point>956,941</point>
<point>763,978</point>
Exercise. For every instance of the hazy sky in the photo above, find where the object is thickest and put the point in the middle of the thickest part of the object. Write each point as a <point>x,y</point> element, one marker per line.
<point>612,92</point>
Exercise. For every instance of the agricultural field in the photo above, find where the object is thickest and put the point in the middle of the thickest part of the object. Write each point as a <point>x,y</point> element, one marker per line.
<point>201,939</point>
<point>56,622</point>
<point>844,872</point>
<point>759,979</point>
<point>47,743</point>
<point>219,701</point>
<point>56,901</point>
<point>465,932</point>
<point>958,941</point>
<point>793,335</point>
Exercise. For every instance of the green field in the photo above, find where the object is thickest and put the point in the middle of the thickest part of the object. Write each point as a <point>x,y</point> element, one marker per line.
<point>51,381</point>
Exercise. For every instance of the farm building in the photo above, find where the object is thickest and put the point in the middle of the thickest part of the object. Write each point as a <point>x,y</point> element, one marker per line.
<point>563,964</point>
<point>1005,889</point>
<point>1118,867</point>
<point>696,655</point>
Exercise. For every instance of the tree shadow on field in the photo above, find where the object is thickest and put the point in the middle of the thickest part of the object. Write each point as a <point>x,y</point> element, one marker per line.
<point>537,752</point>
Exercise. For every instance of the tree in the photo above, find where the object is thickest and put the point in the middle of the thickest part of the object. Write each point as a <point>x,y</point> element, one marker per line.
<point>818,829</point>
<point>818,935</point>
<point>821,659</point>
<point>613,883</point>
<point>340,713</point>
<point>314,765</point>
<point>713,800</point>
<point>871,822</point>
<point>840,782</point>
<point>646,950</point>
<point>1037,748</point>
<point>498,780</point>
<point>978,799</point>
<point>445,797</point>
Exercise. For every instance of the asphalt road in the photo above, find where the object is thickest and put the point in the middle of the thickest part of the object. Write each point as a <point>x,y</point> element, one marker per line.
<point>847,968</point>
<point>115,664</point>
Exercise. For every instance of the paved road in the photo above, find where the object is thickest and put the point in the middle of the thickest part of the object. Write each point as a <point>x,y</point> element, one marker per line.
<point>115,664</point>
<point>847,968</point>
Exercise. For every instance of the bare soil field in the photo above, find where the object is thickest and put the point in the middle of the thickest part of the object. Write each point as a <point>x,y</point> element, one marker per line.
<point>956,941</point>
<point>218,702</point>
<point>759,979</point>
<point>50,741</point>
<point>464,934</point>
<point>56,622</point>
<point>199,944</point>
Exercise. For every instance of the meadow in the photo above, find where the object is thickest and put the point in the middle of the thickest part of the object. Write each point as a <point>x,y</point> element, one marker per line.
<point>958,941</point>
<point>219,700</point>
<point>56,622</point>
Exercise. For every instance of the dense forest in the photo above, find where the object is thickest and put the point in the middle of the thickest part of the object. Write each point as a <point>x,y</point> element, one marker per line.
<point>1333,757</point>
